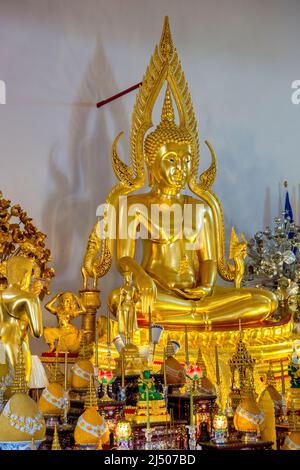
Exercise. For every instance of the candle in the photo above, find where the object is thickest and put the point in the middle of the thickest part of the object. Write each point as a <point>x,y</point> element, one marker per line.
<point>96,345</point>
<point>164,366</point>
<point>282,379</point>
<point>148,411</point>
<point>217,366</point>
<point>186,339</point>
<point>191,408</point>
<point>108,341</point>
<point>122,368</point>
<point>108,328</point>
<point>66,369</point>
<point>150,324</point>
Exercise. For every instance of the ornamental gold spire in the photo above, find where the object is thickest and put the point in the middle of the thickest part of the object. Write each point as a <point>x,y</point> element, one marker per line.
<point>19,384</point>
<point>242,368</point>
<point>167,114</point>
<point>55,442</point>
<point>166,46</point>
<point>241,359</point>
<point>33,447</point>
<point>91,397</point>
<point>99,446</point>
<point>200,361</point>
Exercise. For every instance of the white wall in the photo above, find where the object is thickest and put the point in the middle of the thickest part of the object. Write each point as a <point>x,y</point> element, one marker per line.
<point>59,57</point>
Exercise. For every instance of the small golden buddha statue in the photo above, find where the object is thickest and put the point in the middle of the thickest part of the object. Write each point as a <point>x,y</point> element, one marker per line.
<point>175,372</point>
<point>126,312</point>
<point>66,306</point>
<point>20,310</point>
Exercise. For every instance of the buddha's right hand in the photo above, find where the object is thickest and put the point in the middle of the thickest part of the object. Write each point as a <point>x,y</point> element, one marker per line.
<point>147,291</point>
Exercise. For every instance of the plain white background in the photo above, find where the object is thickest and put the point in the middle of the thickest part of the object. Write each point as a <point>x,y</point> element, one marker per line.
<point>59,57</point>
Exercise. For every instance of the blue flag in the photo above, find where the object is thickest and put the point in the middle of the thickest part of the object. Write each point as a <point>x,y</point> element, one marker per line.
<point>288,211</point>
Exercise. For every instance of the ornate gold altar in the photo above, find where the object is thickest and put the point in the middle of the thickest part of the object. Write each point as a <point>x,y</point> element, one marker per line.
<point>176,295</point>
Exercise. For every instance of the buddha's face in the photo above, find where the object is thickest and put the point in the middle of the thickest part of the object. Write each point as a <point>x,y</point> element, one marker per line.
<point>173,165</point>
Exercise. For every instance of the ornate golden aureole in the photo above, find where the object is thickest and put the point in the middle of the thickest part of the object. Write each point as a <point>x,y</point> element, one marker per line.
<point>177,284</point>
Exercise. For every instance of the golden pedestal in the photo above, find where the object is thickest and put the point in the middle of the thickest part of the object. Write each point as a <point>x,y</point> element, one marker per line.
<point>134,364</point>
<point>91,301</point>
<point>157,410</point>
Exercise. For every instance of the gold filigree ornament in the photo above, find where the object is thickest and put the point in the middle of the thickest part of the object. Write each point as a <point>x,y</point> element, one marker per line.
<point>164,66</point>
<point>19,236</point>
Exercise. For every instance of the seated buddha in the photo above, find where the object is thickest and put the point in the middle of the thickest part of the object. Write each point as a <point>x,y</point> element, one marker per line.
<point>177,275</point>
<point>181,258</point>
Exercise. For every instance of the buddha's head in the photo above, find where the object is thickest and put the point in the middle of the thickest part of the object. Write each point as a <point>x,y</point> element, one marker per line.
<point>19,271</point>
<point>168,151</point>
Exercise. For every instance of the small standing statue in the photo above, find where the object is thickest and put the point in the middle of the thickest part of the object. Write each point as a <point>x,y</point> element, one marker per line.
<point>65,306</point>
<point>146,382</point>
<point>237,252</point>
<point>294,368</point>
<point>126,313</point>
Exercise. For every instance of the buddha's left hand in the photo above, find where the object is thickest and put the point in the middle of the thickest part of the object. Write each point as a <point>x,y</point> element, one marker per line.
<point>197,293</point>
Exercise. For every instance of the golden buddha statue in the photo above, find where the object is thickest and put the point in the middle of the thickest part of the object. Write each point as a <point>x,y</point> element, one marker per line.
<point>66,306</point>
<point>20,310</point>
<point>182,235</point>
<point>181,226</point>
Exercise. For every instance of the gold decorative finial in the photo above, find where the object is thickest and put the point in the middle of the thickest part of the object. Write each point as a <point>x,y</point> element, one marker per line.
<point>55,442</point>
<point>167,114</point>
<point>19,384</point>
<point>166,46</point>
<point>285,184</point>
<point>242,362</point>
<point>91,397</point>
<point>240,329</point>
<point>200,361</point>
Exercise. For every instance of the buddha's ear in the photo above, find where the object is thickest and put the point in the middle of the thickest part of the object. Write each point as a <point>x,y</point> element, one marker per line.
<point>151,179</point>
